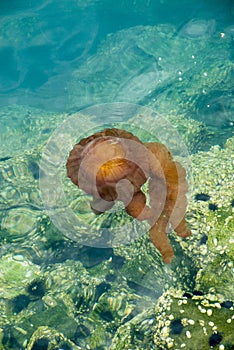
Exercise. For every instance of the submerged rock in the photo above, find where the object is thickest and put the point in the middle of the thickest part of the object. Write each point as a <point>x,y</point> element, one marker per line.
<point>193,133</point>
<point>128,66</point>
<point>16,271</point>
<point>178,321</point>
<point>213,177</point>
<point>193,323</point>
<point>23,128</point>
<point>217,276</point>
<point>144,65</point>
<point>137,333</point>
<point>48,338</point>
<point>198,29</point>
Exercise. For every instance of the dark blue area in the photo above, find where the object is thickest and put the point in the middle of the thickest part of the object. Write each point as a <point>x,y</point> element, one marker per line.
<point>40,47</point>
<point>47,40</point>
<point>9,72</point>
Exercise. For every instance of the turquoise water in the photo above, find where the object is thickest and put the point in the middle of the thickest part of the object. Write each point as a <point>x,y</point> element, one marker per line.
<point>164,71</point>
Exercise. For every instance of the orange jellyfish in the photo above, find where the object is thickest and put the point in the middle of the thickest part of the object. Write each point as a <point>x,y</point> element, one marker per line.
<point>113,165</point>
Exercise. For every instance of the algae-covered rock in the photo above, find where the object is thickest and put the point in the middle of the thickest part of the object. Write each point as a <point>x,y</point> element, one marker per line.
<point>100,299</point>
<point>54,315</point>
<point>18,222</point>
<point>179,320</point>
<point>24,222</point>
<point>193,133</point>
<point>51,302</point>
<point>193,322</point>
<point>137,333</point>
<point>138,64</point>
<point>122,66</point>
<point>221,234</point>
<point>145,271</point>
<point>19,181</point>
<point>210,209</point>
<point>73,279</point>
<point>217,276</point>
<point>210,215</point>
<point>49,338</point>
<point>16,271</point>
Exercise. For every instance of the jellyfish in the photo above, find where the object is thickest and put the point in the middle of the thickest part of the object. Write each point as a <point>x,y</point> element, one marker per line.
<point>113,165</point>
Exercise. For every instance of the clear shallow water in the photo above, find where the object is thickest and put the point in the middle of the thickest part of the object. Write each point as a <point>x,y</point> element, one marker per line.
<point>57,58</point>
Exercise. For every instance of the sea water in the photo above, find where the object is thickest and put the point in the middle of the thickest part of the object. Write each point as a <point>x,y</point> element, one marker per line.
<point>163,70</point>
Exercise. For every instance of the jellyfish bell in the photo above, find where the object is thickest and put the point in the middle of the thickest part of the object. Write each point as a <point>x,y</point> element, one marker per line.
<point>105,160</point>
<point>114,170</point>
<point>104,148</point>
<point>102,162</point>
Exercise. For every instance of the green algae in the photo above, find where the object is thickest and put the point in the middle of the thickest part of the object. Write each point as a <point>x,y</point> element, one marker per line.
<point>51,339</point>
<point>199,318</point>
<point>177,321</point>
<point>137,333</point>
<point>19,221</point>
<point>55,317</point>
<point>15,273</point>
<point>213,176</point>
<point>217,276</point>
<point>221,234</point>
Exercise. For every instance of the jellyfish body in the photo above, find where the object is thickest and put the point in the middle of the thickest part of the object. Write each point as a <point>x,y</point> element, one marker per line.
<point>113,165</point>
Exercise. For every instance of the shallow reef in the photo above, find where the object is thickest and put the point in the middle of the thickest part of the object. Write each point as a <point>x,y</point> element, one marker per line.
<point>55,293</point>
<point>215,218</point>
<point>23,127</point>
<point>192,322</point>
<point>179,320</point>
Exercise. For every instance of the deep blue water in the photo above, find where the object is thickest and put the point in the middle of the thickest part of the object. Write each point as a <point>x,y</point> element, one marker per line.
<point>43,42</point>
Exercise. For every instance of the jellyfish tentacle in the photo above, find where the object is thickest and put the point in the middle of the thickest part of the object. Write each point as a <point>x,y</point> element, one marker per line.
<point>137,205</point>
<point>158,156</point>
<point>177,190</point>
<point>175,202</point>
<point>159,238</point>
<point>182,229</point>
<point>99,206</point>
